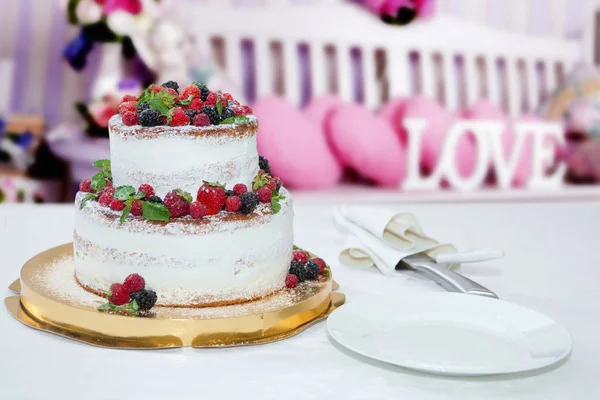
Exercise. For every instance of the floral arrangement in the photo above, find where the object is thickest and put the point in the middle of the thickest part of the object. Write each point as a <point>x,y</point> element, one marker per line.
<point>400,12</point>
<point>106,21</point>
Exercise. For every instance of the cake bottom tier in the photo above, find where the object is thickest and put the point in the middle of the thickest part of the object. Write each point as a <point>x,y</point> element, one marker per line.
<point>219,260</point>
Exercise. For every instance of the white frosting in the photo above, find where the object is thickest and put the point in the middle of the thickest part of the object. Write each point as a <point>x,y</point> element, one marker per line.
<point>186,264</point>
<point>177,158</point>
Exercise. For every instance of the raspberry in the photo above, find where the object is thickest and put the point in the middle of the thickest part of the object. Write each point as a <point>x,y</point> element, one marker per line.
<point>134,283</point>
<point>212,113</point>
<point>312,270</point>
<point>180,118</point>
<point>190,90</point>
<point>240,189</point>
<point>177,205</point>
<point>264,194</point>
<point>204,91</point>
<point>233,204</point>
<point>85,186</point>
<point>118,295</point>
<point>201,120</point>
<point>213,196</point>
<point>228,96</point>
<point>197,210</point>
<point>149,190</point>
<point>128,106</point>
<point>171,85</point>
<point>106,199</point>
<point>150,117</point>
<point>109,184</point>
<point>145,299</point>
<point>291,281</point>
<point>263,164</point>
<point>320,263</point>
<point>297,268</point>
<point>246,110</point>
<point>211,100</point>
<point>136,208</point>
<point>227,113</point>
<point>249,202</point>
<point>130,118</point>
<point>300,256</point>
<point>196,104</point>
<point>238,110</point>
<point>129,97</point>
<point>117,205</point>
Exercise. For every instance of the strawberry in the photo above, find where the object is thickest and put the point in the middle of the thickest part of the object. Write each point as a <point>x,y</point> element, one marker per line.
<point>190,90</point>
<point>196,104</point>
<point>180,118</point>
<point>213,196</point>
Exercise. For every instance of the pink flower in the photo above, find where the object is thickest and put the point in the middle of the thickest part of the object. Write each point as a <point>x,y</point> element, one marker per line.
<point>390,10</point>
<point>130,6</point>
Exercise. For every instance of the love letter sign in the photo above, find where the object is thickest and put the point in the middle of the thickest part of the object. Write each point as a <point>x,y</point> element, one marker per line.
<point>544,136</point>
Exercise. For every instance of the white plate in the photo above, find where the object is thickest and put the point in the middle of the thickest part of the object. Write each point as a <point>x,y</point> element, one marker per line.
<point>450,334</point>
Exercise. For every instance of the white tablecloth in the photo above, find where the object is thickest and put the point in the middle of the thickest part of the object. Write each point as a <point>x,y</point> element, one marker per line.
<point>549,266</point>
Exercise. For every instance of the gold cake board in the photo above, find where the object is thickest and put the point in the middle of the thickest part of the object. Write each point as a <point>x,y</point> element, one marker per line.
<point>40,304</point>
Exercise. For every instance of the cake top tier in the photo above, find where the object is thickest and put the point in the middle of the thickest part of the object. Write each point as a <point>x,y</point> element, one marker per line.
<point>168,105</point>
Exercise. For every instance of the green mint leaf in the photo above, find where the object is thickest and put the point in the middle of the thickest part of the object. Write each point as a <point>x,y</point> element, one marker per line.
<point>126,211</point>
<point>240,119</point>
<point>158,105</point>
<point>102,164</point>
<point>326,273</point>
<point>187,101</point>
<point>219,106</point>
<point>133,306</point>
<point>186,195</point>
<point>139,195</point>
<point>124,192</point>
<point>275,206</point>
<point>219,92</point>
<point>88,197</point>
<point>144,97</point>
<point>155,211</point>
<point>99,181</point>
<point>169,115</point>
<point>106,307</point>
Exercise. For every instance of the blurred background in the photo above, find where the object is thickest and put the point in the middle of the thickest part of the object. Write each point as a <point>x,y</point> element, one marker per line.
<point>330,80</point>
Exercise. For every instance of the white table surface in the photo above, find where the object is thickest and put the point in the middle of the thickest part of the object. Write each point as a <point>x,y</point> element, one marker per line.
<point>549,267</point>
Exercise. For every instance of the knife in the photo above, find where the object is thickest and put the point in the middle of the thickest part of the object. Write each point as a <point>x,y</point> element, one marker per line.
<point>443,276</point>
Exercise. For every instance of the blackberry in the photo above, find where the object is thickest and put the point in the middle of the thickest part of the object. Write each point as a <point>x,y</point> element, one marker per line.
<point>191,113</point>
<point>171,85</point>
<point>249,202</point>
<point>204,91</point>
<point>143,107</point>
<point>154,199</point>
<point>227,113</point>
<point>212,113</point>
<point>297,268</point>
<point>231,193</point>
<point>312,270</point>
<point>150,117</point>
<point>277,186</point>
<point>263,164</point>
<point>145,299</point>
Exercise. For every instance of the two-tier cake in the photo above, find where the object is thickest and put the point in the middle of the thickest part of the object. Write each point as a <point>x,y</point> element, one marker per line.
<point>187,204</point>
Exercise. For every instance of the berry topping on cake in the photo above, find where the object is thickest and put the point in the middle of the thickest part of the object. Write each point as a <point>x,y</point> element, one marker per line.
<point>118,295</point>
<point>233,204</point>
<point>201,120</point>
<point>106,199</point>
<point>154,199</point>
<point>204,91</point>
<point>291,281</point>
<point>128,106</point>
<point>171,85</point>
<point>150,117</point>
<point>312,270</point>
<point>197,210</point>
<point>129,97</point>
<point>196,105</point>
<point>177,203</point>
<point>212,114</point>
<point>130,118</point>
<point>85,186</point>
<point>134,283</point>
<point>264,194</point>
<point>213,196</point>
<point>320,263</point>
<point>136,208</point>
<point>117,205</point>
<point>191,113</point>
<point>278,183</point>
<point>190,90</point>
<point>300,256</point>
<point>141,107</point>
<point>263,164</point>
<point>180,118</point>
<point>240,189</point>
<point>297,268</point>
<point>230,193</point>
<point>249,202</point>
<point>145,299</point>
<point>227,113</point>
<point>147,189</point>
<point>211,100</point>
